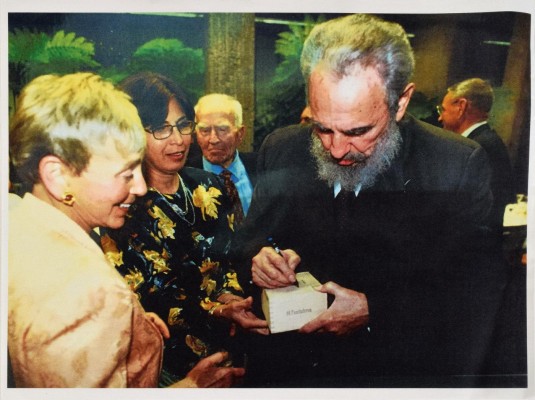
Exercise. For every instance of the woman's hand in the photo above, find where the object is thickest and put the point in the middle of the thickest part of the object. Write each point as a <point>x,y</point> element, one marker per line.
<point>209,373</point>
<point>159,324</point>
<point>238,311</point>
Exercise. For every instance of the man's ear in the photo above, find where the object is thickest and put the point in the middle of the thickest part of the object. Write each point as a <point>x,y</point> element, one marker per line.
<point>463,105</point>
<point>241,134</point>
<point>404,100</point>
<point>53,173</point>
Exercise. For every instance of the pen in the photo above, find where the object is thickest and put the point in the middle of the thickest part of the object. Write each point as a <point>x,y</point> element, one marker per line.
<point>274,245</point>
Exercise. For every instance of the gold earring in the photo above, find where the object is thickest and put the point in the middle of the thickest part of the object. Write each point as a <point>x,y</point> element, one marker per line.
<point>68,199</point>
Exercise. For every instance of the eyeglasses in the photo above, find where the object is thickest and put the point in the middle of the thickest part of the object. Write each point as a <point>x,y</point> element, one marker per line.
<point>184,127</point>
<point>220,130</point>
<point>440,109</point>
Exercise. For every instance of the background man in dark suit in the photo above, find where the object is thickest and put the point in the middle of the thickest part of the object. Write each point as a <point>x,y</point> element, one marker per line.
<point>465,110</point>
<point>390,213</point>
<point>219,132</point>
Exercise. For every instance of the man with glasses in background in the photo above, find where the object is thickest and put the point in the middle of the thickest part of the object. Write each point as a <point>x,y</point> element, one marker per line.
<point>220,131</point>
<point>465,110</point>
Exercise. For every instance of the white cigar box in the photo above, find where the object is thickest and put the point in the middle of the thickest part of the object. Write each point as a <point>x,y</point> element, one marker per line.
<point>291,307</point>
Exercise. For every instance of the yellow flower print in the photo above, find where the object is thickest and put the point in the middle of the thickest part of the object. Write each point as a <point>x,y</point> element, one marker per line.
<point>230,219</point>
<point>232,281</point>
<point>180,294</point>
<point>165,225</point>
<point>206,201</point>
<point>197,346</point>
<point>174,316</point>
<point>208,265</point>
<point>134,279</point>
<point>114,256</point>
<point>208,304</point>
<point>156,238</point>
<point>159,260</point>
<point>209,285</point>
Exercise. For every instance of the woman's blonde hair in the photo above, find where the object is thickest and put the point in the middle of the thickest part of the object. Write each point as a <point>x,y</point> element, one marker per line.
<point>72,117</point>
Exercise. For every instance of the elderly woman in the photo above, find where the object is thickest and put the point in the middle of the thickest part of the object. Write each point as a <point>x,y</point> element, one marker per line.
<point>173,248</point>
<point>72,320</point>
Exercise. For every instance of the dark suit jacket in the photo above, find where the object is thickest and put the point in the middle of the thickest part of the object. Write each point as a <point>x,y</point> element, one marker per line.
<point>502,175</point>
<point>417,243</point>
<point>249,161</point>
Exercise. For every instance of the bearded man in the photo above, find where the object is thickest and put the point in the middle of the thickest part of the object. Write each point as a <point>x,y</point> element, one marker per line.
<point>389,213</point>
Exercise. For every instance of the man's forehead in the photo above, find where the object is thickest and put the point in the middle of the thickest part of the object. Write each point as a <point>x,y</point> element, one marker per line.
<point>211,119</point>
<point>449,97</point>
<point>348,103</point>
<point>214,105</point>
<point>362,82</point>
<point>215,113</point>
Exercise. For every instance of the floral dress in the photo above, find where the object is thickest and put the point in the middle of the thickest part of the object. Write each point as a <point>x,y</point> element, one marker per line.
<point>172,251</point>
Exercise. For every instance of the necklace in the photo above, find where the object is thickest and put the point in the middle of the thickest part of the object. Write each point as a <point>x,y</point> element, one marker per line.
<point>182,214</point>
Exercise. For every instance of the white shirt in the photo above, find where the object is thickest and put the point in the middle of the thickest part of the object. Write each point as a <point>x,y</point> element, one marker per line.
<point>473,128</point>
<point>338,187</point>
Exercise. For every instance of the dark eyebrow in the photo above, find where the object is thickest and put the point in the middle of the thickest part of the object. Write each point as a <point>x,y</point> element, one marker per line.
<point>167,123</point>
<point>320,127</point>
<point>358,131</point>
<point>350,132</point>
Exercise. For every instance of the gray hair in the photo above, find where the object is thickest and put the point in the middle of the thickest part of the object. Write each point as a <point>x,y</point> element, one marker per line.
<point>478,91</point>
<point>228,104</point>
<point>365,40</point>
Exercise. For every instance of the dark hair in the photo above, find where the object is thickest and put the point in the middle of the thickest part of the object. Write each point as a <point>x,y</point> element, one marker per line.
<point>150,93</point>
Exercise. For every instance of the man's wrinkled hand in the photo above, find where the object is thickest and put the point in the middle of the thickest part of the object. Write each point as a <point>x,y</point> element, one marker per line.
<point>274,270</point>
<point>348,312</point>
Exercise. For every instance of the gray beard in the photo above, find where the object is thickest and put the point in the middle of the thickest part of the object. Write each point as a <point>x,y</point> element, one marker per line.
<point>365,169</point>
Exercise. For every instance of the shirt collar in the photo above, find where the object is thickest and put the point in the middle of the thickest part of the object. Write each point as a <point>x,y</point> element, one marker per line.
<point>234,167</point>
<point>338,188</point>
<point>473,128</point>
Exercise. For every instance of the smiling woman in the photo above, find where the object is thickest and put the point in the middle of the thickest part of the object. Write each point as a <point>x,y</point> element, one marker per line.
<point>84,160</point>
<point>62,294</point>
<point>173,248</point>
<point>73,322</point>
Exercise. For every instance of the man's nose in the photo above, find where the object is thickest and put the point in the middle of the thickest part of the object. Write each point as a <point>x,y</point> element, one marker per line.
<point>339,145</point>
<point>213,136</point>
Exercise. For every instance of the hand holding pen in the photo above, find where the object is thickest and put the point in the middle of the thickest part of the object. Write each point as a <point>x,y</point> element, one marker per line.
<point>274,245</point>
<point>273,268</point>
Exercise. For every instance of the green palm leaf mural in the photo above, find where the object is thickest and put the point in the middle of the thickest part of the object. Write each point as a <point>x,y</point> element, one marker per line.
<point>171,58</point>
<point>35,53</point>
